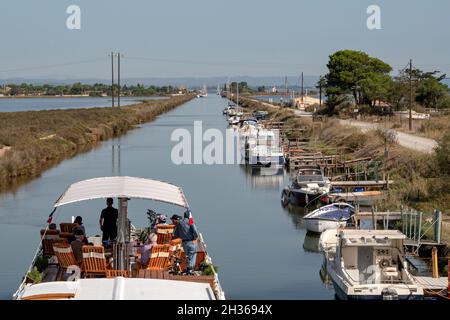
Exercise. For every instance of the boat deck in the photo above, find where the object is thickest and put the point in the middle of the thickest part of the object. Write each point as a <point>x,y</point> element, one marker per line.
<point>430,283</point>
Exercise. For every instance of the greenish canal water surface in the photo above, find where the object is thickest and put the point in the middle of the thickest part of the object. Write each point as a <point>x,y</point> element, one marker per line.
<point>261,249</point>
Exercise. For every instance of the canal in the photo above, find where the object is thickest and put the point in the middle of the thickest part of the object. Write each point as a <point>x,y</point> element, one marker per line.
<point>51,103</point>
<point>261,249</point>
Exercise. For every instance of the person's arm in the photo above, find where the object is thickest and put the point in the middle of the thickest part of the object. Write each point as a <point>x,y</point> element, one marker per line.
<point>101,221</point>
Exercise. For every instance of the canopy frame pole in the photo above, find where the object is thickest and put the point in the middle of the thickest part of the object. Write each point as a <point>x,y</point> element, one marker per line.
<point>122,260</point>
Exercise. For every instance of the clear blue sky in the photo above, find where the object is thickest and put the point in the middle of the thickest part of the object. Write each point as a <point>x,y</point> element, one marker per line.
<point>212,37</point>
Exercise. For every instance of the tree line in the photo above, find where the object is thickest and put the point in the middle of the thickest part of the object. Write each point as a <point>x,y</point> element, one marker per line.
<point>356,79</point>
<point>78,88</point>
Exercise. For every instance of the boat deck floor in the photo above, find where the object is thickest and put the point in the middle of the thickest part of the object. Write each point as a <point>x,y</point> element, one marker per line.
<point>161,274</point>
<point>430,283</point>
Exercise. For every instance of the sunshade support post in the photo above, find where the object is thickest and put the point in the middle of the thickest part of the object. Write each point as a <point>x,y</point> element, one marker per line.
<point>121,247</point>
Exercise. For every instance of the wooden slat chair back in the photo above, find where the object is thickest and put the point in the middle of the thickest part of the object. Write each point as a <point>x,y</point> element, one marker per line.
<point>175,253</point>
<point>175,247</point>
<point>117,273</point>
<point>159,257</point>
<point>94,261</point>
<point>164,233</point>
<point>48,238</point>
<point>66,226</point>
<point>64,254</point>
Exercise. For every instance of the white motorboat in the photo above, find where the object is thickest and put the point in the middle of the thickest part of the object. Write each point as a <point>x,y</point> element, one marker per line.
<point>371,265</point>
<point>264,149</point>
<point>331,216</point>
<point>234,120</point>
<point>307,187</point>
<point>123,277</point>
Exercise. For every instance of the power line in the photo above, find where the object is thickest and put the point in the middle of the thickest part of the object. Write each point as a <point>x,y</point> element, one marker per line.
<point>53,65</point>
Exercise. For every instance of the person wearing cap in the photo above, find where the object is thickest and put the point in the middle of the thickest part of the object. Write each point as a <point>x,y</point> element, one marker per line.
<point>161,220</point>
<point>188,235</point>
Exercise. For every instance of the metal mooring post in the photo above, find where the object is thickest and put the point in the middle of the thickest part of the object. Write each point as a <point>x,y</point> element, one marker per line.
<point>437,226</point>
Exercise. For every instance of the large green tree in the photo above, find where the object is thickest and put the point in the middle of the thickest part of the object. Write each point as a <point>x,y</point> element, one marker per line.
<point>356,73</point>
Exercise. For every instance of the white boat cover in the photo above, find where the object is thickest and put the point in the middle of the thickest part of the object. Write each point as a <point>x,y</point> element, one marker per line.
<point>119,289</point>
<point>123,187</point>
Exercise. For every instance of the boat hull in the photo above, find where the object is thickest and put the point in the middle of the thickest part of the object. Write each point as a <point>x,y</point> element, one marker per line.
<point>341,295</point>
<point>300,198</point>
<point>266,161</point>
<point>320,225</point>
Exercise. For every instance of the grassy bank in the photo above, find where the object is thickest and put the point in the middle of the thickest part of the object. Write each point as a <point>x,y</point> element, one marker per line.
<point>36,140</point>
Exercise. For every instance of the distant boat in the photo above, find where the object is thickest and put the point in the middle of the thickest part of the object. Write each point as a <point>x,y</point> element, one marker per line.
<point>331,216</point>
<point>203,92</point>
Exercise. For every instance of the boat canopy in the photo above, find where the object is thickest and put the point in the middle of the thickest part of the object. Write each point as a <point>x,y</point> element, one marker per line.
<point>119,289</point>
<point>123,187</point>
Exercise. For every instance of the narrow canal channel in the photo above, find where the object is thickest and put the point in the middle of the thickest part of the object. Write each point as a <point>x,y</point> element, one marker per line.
<point>260,248</point>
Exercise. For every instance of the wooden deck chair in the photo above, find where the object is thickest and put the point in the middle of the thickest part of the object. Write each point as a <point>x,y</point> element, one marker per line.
<point>48,238</point>
<point>94,261</point>
<point>164,233</point>
<point>66,227</point>
<point>65,256</point>
<point>117,273</point>
<point>175,253</point>
<point>159,257</point>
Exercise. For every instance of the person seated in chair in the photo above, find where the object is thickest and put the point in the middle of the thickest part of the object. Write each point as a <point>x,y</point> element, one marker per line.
<point>77,245</point>
<point>147,248</point>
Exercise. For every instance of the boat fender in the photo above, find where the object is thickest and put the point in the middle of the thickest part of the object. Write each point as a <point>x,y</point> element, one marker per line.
<point>285,195</point>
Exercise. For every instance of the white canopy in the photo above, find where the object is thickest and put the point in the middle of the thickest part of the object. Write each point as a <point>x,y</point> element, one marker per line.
<point>123,187</point>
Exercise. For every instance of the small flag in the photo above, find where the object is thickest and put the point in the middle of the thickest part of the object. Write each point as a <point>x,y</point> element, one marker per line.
<point>190,217</point>
<point>50,217</point>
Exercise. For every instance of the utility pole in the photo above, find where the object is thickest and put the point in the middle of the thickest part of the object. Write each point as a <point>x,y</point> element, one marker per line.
<point>302,91</point>
<point>285,84</point>
<point>118,79</point>
<point>410,95</point>
<point>112,78</point>
<point>320,91</point>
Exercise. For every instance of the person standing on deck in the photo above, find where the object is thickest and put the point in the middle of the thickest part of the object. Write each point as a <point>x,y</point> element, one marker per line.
<point>108,221</point>
<point>188,235</point>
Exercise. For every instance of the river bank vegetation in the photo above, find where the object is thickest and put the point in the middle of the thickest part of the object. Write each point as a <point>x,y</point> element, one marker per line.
<point>80,89</point>
<point>35,140</point>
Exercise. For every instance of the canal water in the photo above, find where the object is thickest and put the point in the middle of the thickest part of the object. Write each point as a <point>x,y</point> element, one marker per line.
<point>261,249</point>
<point>34,104</point>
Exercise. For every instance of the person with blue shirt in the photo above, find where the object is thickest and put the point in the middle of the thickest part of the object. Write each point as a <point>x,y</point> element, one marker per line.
<point>188,235</point>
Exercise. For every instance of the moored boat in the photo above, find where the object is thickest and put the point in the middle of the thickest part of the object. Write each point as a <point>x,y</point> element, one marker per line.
<point>331,216</point>
<point>308,186</point>
<point>371,265</point>
<point>114,270</point>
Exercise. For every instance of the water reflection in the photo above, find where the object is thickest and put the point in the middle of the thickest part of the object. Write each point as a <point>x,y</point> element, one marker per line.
<point>264,178</point>
<point>311,242</point>
<point>324,276</point>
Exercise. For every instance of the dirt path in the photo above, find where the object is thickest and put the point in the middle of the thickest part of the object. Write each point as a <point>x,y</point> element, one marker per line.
<point>406,140</point>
